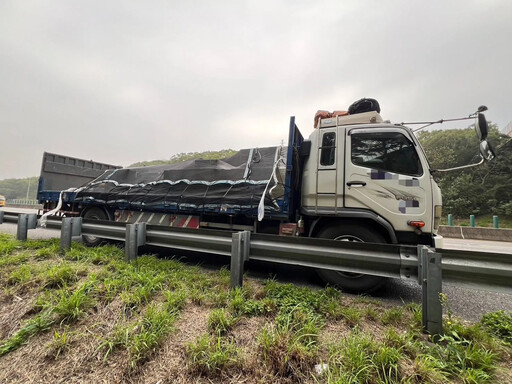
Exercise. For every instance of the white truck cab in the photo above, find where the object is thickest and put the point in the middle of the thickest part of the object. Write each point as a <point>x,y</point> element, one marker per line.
<point>374,174</point>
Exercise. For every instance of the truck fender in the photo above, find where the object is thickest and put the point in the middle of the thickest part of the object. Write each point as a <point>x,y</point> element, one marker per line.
<point>355,215</point>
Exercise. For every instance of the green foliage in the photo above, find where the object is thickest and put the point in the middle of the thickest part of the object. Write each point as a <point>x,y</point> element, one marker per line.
<point>359,359</point>
<point>61,343</point>
<point>39,323</point>
<point>392,316</point>
<point>72,305</point>
<point>499,324</point>
<point>290,346</point>
<point>220,321</point>
<point>180,157</point>
<point>7,246</point>
<point>17,188</point>
<point>459,357</point>
<point>211,355</point>
<point>61,275</point>
<point>486,189</point>
<point>148,333</point>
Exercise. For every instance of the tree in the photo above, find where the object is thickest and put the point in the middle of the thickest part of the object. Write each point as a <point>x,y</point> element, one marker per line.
<point>479,190</point>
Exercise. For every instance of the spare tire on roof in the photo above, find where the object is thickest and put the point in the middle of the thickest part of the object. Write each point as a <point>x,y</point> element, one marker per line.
<point>364,105</point>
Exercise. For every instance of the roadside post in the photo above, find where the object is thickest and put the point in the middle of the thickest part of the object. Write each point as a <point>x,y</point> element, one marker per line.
<point>241,243</point>
<point>71,226</point>
<point>430,279</point>
<point>495,222</point>
<point>135,237</point>
<point>26,221</point>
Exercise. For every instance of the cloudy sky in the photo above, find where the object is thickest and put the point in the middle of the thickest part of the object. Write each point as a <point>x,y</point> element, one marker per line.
<point>124,81</point>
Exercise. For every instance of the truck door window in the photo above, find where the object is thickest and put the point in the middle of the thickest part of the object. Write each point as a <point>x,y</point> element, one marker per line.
<point>386,151</point>
<point>328,148</point>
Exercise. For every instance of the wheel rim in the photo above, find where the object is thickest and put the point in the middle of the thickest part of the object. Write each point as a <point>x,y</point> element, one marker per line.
<point>354,239</point>
<point>91,238</point>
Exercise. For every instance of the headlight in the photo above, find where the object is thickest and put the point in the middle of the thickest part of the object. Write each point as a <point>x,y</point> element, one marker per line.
<point>438,212</point>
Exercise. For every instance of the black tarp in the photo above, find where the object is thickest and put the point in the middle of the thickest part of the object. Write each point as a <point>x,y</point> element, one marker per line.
<point>232,185</point>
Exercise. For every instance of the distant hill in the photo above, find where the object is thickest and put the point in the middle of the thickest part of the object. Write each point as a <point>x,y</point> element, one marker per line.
<point>208,155</point>
<point>17,188</point>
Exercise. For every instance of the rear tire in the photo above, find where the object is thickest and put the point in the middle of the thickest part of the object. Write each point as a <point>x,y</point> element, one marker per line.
<point>348,281</point>
<point>94,213</point>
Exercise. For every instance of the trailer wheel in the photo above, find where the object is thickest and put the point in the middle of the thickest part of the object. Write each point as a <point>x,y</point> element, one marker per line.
<point>94,213</point>
<point>348,281</point>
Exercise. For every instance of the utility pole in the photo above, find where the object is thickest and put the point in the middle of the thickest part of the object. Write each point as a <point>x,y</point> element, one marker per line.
<point>28,188</point>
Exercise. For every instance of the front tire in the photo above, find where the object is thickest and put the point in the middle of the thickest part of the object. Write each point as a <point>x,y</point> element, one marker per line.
<point>94,213</point>
<point>348,281</point>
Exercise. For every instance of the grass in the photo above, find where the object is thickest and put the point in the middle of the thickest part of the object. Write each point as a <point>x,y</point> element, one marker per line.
<point>129,313</point>
<point>212,355</point>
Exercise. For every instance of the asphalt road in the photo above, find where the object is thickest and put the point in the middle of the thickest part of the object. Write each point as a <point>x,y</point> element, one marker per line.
<point>466,303</point>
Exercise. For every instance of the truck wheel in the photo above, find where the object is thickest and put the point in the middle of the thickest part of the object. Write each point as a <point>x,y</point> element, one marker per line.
<point>94,213</point>
<point>348,281</point>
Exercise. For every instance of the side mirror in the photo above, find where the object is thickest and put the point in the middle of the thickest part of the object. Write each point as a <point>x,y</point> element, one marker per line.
<point>486,150</point>
<point>481,127</point>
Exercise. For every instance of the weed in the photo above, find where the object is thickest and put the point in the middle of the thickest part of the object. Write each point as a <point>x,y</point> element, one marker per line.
<point>351,315</point>
<point>220,321</point>
<point>208,355</point>
<point>459,354</point>
<point>175,301</point>
<point>290,347</point>
<point>7,246</point>
<point>9,259</point>
<point>60,276</point>
<point>20,275</point>
<point>371,313</point>
<point>61,343</point>
<point>499,324</point>
<point>148,333</point>
<point>359,359</point>
<point>417,315</point>
<point>39,323</point>
<point>197,296</point>
<point>427,369</point>
<point>72,305</point>
<point>392,316</point>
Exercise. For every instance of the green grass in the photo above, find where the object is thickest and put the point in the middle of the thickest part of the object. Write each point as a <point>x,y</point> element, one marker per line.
<point>221,321</point>
<point>359,339</point>
<point>499,324</point>
<point>211,355</point>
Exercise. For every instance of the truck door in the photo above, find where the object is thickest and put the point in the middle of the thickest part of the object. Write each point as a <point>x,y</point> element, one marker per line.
<point>329,160</point>
<point>384,173</point>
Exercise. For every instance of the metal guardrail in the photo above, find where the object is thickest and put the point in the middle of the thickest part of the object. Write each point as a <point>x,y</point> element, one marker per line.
<point>427,267</point>
<point>21,202</point>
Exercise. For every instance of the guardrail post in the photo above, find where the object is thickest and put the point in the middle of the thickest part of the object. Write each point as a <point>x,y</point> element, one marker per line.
<point>1,217</point>
<point>431,283</point>
<point>239,255</point>
<point>26,221</point>
<point>135,237</point>
<point>71,226</point>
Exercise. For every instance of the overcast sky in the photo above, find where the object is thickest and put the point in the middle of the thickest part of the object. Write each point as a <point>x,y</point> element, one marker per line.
<point>125,81</point>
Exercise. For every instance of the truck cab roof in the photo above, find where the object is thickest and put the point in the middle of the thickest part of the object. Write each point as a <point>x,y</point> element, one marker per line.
<point>360,118</point>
